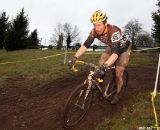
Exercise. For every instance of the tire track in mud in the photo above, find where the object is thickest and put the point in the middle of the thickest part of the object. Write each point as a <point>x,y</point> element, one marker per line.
<point>25,107</point>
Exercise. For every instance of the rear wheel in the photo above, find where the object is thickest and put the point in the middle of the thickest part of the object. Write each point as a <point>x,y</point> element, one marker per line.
<point>112,86</point>
<point>77,105</point>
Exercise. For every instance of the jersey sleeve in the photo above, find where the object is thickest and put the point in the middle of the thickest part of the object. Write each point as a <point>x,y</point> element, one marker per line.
<point>90,39</point>
<point>115,39</point>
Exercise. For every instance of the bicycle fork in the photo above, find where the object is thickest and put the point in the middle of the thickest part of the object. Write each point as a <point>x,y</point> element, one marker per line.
<point>88,89</point>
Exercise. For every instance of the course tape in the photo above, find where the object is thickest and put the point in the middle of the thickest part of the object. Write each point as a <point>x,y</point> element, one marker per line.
<point>154,93</point>
<point>89,53</point>
<point>145,49</point>
<point>154,109</point>
<point>10,62</point>
<point>4,63</point>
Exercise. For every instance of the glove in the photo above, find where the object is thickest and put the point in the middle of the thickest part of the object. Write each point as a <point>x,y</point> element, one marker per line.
<point>103,67</point>
<point>101,70</point>
<point>72,62</point>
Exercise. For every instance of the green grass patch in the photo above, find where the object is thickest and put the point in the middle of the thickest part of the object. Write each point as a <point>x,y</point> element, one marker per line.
<point>46,70</point>
<point>135,116</point>
<point>38,70</point>
<point>25,55</point>
<point>143,59</point>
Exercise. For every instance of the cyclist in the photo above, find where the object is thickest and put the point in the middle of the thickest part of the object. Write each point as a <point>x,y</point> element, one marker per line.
<point>117,51</point>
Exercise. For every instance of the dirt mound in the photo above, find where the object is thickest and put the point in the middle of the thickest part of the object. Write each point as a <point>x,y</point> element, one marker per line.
<point>26,107</point>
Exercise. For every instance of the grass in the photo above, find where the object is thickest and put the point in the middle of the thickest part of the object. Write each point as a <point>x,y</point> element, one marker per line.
<point>132,117</point>
<point>47,70</point>
<point>38,70</point>
<point>143,59</point>
<point>24,54</point>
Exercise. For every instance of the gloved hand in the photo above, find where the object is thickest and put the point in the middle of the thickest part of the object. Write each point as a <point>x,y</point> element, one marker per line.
<point>72,62</point>
<point>101,70</point>
<point>103,67</point>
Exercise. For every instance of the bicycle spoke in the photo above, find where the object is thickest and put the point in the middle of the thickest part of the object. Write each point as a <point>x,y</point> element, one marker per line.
<point>77,106</point>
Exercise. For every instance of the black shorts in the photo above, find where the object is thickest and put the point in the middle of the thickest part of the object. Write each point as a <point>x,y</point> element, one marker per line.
<point>122,60</point>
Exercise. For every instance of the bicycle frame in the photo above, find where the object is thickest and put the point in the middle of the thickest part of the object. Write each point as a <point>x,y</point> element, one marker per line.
<point>93,82</point>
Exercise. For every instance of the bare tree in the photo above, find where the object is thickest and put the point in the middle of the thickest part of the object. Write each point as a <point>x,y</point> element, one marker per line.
<point>71,34</point>
<point>57,36</point>
<point>145,40</point>
<point>133,29</point>
<point>65,33</point>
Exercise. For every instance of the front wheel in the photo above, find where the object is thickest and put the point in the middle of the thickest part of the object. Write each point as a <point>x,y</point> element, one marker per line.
<point>77,105</point>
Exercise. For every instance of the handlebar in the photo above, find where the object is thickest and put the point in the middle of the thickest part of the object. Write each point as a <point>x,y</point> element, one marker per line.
<point>74,69</point>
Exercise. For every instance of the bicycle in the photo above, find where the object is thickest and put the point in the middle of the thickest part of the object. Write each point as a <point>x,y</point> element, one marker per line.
<point>80,99</point>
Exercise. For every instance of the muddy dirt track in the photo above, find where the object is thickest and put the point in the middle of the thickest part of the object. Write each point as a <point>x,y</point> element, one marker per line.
<point>26,107</point>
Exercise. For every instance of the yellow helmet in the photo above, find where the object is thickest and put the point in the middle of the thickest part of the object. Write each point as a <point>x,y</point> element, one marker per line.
<point>98,16</point>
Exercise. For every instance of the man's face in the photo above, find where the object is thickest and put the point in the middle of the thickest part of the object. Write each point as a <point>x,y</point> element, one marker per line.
<point>99,28</point>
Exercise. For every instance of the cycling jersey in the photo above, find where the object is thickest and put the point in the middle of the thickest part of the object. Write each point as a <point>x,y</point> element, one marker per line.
<point>112,36</point>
